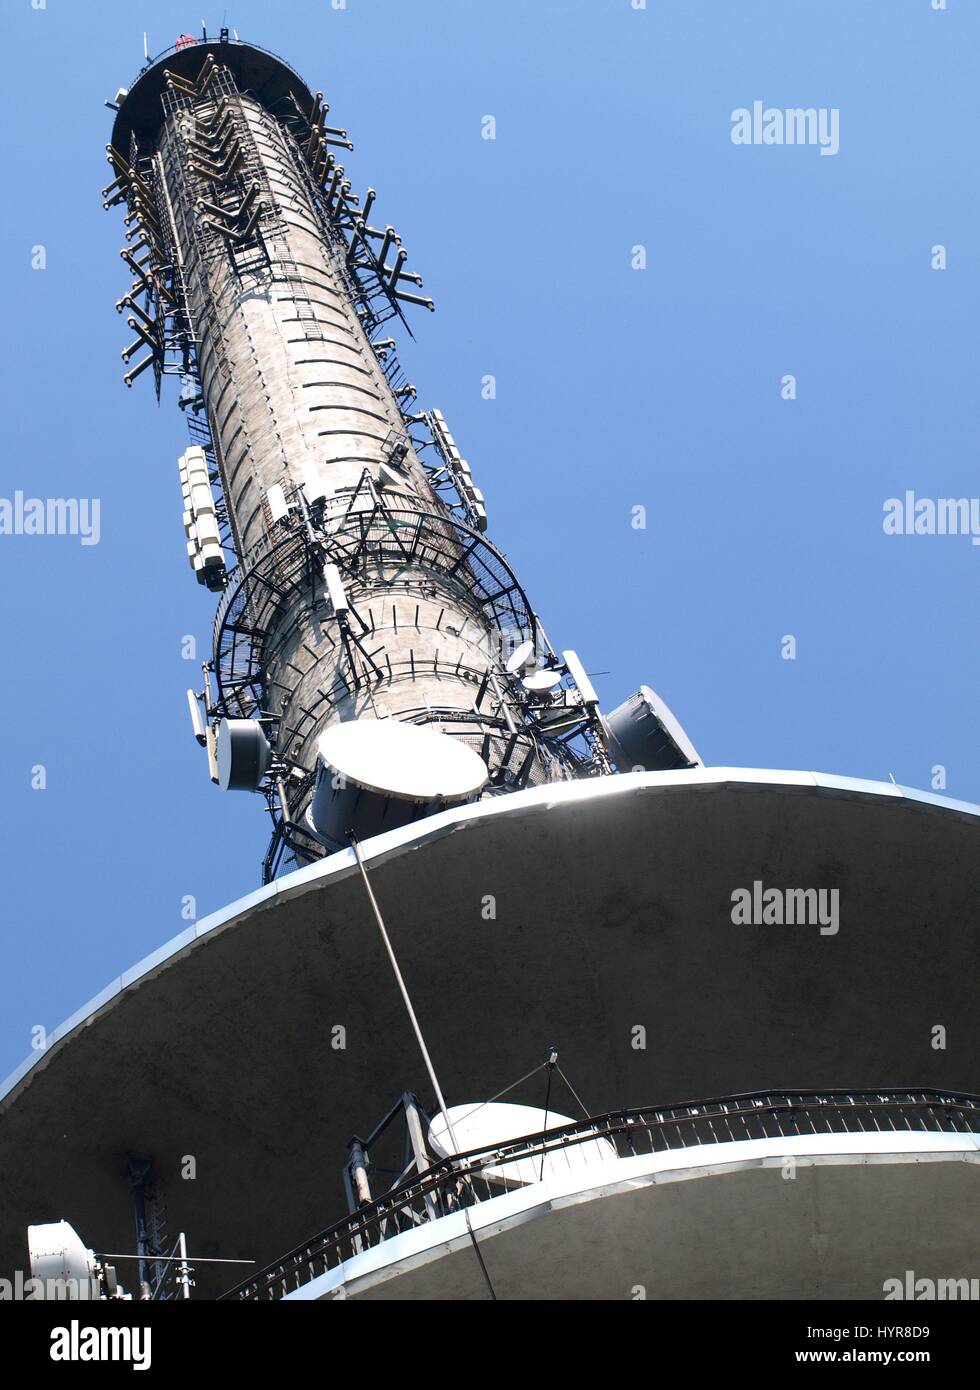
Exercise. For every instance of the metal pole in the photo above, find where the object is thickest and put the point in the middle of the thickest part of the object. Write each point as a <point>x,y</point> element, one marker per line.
<point>358,1168</point>
<point>138,1169</point>
<point>183,1272</point>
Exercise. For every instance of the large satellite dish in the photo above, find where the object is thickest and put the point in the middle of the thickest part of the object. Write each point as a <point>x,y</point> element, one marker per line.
<point>406,761</point>
<point>377,774</point>
<point>488,1126</point>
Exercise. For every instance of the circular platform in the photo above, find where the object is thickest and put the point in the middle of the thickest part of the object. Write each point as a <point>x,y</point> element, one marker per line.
<point>268,78</point>
<point>818,1217</point>
<point>596,916</point>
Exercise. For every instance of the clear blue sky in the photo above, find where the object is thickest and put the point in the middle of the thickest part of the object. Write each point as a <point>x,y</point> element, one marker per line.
<point>616,388</point>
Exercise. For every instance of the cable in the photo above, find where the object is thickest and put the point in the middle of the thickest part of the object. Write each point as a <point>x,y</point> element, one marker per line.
<point>479,1255</point>
<point>512,1087</point>
<point>573,1091</point>
<point>551,1063</point>
<point>440,1099</point>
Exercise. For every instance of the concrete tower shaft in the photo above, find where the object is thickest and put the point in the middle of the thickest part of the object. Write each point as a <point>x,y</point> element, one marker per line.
<point>294,391</point>
<point>260,280</point>
<point>297,398</point>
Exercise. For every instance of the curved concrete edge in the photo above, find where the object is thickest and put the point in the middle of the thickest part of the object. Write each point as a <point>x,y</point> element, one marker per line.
<point>395,842</point>
<point>144,86</point>
<point>616,1175</point>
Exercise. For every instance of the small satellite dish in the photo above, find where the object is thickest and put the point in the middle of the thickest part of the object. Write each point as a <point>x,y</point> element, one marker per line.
<point>243,755</point>
<point>61,1261</point>
<point>541,681</point>
<point>520,657</point>
<point>487,1126</point>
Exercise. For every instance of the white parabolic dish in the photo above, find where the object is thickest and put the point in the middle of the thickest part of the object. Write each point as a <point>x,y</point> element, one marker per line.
<point>402,760</point>
<point>485,1126</point>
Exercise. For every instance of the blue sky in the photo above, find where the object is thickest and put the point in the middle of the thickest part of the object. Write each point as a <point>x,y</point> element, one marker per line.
<point>616,388</point>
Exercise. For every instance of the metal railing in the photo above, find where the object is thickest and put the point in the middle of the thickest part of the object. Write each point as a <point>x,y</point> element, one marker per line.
<point>281,567</point>
<point>454,1183</point>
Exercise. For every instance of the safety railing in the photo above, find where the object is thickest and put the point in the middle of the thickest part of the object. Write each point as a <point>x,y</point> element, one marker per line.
<point>454,1183</point>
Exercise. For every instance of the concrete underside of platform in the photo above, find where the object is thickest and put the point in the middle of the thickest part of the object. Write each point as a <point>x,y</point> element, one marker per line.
<point>612,911</point>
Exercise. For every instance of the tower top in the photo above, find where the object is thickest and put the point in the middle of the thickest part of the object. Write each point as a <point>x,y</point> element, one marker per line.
<point>271,80</point>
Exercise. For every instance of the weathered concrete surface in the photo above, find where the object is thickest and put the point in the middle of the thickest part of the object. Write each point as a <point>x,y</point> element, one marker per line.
<point>613,905</point>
